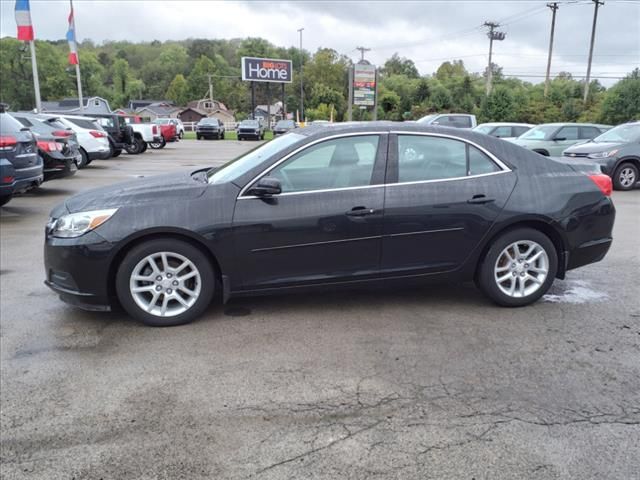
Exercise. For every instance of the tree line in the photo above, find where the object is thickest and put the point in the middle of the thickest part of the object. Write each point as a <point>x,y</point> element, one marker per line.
<point>178,71</point>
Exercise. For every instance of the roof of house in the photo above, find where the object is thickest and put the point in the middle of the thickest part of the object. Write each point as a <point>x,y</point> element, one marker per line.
<point>217,104</point>
<point>159,109</point>
<point>68,104</point>
<point>135,104</point>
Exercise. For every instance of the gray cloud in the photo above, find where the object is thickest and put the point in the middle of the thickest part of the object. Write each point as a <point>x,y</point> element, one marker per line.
<point>427,32</point>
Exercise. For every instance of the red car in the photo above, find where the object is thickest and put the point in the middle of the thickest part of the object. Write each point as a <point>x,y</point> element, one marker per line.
<point>168,132</point>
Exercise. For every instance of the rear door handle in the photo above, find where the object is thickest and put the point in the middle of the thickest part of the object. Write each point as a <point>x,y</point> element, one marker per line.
<point>360,212</point>
<point>480,199</point>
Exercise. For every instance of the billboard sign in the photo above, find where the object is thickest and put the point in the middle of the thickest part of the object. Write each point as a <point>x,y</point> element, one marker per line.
<point>266,70</point>
<point>364,85</point>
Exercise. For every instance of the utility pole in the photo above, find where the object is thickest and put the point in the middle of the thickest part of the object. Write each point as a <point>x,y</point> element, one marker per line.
<point>362,51</point>
<point>210,87</point>
<point>301,78</point>
<point>493,35</point>
<point>593,37</point>
<point>553,6</point>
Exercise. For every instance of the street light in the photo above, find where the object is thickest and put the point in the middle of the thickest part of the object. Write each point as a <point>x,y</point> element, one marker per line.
<point>301,86</point>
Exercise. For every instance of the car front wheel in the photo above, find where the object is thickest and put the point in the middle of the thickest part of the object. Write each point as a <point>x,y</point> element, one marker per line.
<point>625,177</point>
<point>519,268</point>
<point>165,282</point>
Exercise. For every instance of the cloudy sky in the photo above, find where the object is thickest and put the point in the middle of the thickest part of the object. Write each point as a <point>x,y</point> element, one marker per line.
<point>428,32</point>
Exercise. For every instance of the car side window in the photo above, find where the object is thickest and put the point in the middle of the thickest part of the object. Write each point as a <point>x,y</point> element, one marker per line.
<point>502,132</point>
<point>517,131</point>
<point>430,158</point>
<point>589,132</point>
<point>422,158</point>
<point>480,163</point>
<point>339,163</point>
<point>568,133</point>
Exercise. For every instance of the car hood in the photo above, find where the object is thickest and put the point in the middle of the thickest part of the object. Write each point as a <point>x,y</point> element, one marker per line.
<point>181,185</point>
<point>593,147</point>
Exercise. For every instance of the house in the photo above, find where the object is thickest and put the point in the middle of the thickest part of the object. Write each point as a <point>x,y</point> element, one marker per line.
<point>136,104</point>
<point>71,106</point>
<point>158,110</point>
<point>261,113</point>
<point>206,107</point>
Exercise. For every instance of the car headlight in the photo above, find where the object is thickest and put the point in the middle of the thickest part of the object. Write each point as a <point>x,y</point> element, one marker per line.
<point>610,153</point>
<point>76,224</point>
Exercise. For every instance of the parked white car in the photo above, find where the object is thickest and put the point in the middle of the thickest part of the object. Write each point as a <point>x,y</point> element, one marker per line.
<point>172,121</point>
<point>506,130</point>
<point>143,134</point>
<point>93,140</point>
<point>455,120</point>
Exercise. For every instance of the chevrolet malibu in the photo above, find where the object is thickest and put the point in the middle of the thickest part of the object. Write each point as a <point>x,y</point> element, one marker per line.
<point>361,204</point>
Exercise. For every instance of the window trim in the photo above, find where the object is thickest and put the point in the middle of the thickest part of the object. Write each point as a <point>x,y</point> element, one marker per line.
<point>390,142</point>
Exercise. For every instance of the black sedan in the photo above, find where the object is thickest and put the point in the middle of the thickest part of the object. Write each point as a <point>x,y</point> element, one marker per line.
<point>58,156</point>
<point>366,204</point>
<point>617,151</point>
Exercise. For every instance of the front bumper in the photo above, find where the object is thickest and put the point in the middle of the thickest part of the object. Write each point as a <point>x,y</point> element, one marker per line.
<point>77,269</point>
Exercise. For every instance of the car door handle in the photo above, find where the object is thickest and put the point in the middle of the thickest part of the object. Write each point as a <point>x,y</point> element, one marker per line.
<point>360,212</point>
<point>480,199</point>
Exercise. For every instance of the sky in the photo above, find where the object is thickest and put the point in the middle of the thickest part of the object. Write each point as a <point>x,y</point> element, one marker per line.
<point>427,32</point>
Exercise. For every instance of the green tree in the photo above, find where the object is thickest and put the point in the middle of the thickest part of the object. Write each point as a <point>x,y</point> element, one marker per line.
<point>400,66</point>
<point>441,99</point>
<point>498,106</point>
<point>178,90</point>
<point>622,101</point>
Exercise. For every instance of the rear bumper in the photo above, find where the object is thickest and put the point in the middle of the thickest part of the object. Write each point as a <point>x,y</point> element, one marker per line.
<point>7,189</point>
<point>100,154</point>
<point>28,178</point>
<point>60,169</point>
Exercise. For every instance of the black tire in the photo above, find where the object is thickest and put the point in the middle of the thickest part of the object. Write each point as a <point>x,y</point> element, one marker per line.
<point>84,161</point>
<point>181,135</point>
<point>198,137</point>
<point>485,279</point>
<point>144,147</point>
<point>222,135</point>
<point>116,152</point>
<point>158,145</point>
<point>134,148</point>
<point>137,254</point>
<point>626,176</point>
<point>4,199</point>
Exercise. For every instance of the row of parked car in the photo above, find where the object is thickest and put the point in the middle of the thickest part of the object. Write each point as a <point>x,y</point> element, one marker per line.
<point>212,128</point>
<point>615,149</point>
<point>35,148</point>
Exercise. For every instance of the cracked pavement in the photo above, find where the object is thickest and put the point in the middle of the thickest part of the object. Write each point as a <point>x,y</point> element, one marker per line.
<point>422,383</point>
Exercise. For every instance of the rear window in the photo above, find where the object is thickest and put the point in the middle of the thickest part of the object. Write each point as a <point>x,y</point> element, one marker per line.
<point>82,123</point>
<point>8,124</point>
<point>24,121</point>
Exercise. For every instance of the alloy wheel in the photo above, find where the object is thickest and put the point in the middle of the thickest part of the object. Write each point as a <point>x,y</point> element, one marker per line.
<point>165,284</point>
<point>521,269</point>
<point>627,177</point>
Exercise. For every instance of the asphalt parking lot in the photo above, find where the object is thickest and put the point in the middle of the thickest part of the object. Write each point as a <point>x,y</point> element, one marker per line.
<point>409,384</point>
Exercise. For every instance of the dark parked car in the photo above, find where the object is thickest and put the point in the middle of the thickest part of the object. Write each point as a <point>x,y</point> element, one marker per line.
<point>617,151</point>
<point>369,204</point>
<point>283,126</point>
<point>210,128</point>
<point>18,145</point>
<point>120,133</point>
<point>54,129</point>
<point>7,181</point>
<point>250,129</point>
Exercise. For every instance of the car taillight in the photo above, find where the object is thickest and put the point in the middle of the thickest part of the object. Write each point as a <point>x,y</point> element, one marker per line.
<point>8,179</point>
<point>62,133</point>
<point>97,134</point>
<point>49,146</point>
<point>603,182</point>
<point>8,142</point>
<point>155,130</point>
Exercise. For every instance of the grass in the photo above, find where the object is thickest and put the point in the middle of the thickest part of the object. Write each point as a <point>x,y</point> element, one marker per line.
<point>227,136</point>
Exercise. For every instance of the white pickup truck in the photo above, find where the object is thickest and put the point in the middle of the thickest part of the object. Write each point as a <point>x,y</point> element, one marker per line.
<point>143,133</point>
<point>455,120</point>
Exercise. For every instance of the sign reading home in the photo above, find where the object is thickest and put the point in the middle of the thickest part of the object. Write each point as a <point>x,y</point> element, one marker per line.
<point>266,70</point>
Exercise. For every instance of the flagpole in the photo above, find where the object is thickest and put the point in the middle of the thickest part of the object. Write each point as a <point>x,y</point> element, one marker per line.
<point>80,101</point>
<point>36,80</point>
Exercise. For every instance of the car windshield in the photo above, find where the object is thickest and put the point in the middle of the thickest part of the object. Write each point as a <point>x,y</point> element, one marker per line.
<point>246,162</point>
<point>426,119</point>
<point>285,124</point>
<point>484,128</point>
<point>211,121</point>
<point>622,134</point>
<point>542,132</point>
<point>249,123</point>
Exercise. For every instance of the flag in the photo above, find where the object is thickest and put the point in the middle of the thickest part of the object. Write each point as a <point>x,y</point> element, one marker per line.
<point>71,38</point>
<point>23,20</point>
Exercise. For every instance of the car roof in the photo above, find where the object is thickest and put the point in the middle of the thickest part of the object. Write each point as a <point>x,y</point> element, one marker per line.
<point>574,124</point>
<point>508,124</point>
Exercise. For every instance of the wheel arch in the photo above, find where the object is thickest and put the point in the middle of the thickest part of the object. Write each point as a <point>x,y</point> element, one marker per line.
<point>542,225</point>
<point>541,151</point>
<point>146,235</point>
<point>628,159</point>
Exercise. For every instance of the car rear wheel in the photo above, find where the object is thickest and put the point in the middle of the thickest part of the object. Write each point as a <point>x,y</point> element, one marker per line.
<point>625,177</point>
<point>158,145</point>
<point>180,135</point>
<point>165,282</point>
<point>4,199</point>
<point>518,268</point>
<point>84,160</point>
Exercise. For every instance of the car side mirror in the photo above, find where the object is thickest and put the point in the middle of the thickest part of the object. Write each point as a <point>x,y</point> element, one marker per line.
<point>265,187</point>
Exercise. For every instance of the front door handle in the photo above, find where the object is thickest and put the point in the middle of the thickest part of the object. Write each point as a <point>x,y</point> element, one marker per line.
<point>360,212</point>
<point>480,200</point>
